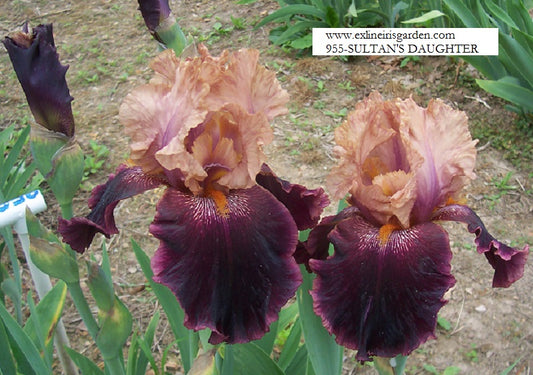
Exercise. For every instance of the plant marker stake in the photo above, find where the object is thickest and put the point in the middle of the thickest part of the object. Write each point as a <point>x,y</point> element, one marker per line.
<point>13,213</point>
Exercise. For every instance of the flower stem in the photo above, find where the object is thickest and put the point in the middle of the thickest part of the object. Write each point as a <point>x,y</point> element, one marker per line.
<point>66,211</point>
<point>114,366</point>
<point>83,308</point>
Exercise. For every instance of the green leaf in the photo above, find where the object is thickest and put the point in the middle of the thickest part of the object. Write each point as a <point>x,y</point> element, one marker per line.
<point>24,342</point>
<point>133,356</point>
<point>325,354</point>
<point>13,156</point>
<point>451,370</point>
<point>425,17</point>
<point>299,362</point>
<point>266,343</point>
<point>518,58</point>
<point>147,352</point>
<point>7,364</point>
<point>86,366</point>
<point>115,328</point>
<point>303,42</point>
<point>501,15</point>
<point>187,339</point>
<point>463,12</point>
<point>293,10</point>
<point>148,339</point>
<point>48,253</point>
<point>291,346</point>
<point>298,27</point>
<point>250,359</point>
<point>48,312</point>
<point>444,323</point>
<point>508,370</point>
<point>101,287</point>
<point>509,91</point>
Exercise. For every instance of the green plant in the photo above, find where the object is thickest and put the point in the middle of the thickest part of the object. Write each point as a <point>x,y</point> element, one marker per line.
<point>473,354</point>
<point>510,74</point>
<point>94,160</point>
<point>299,17</point>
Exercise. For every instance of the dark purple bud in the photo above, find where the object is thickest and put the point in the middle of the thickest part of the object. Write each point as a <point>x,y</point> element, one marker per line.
<point>42,77</point>
<point>154,12</point>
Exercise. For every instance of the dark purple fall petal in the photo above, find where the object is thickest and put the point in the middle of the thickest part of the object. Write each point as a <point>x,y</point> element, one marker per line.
<point>305,205</point>
<point>508,262</point>
<point>154,12</point>
<point>42,78</point>
<point>317,244</point>
<point>231,272</point>
<point>79,232</point>
<point>382,299</point>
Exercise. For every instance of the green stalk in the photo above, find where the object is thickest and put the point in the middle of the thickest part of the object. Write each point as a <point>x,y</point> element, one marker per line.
<point>66,211</point>
<point>172,36</point>
<point>83,308</point>
<point>114,365</point>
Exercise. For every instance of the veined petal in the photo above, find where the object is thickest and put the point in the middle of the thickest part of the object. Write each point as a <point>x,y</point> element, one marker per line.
<point>381,295</point>
<point>79,231</point>
<point>42,78</point>
<point>508,262</point>
<point>440,134</point>
<point>233,271</point>
<point>305,205</point>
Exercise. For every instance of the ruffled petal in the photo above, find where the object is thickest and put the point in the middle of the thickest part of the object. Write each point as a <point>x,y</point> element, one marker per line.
<point>79,231</point>
<point>317,244</point>
<point>508,262</point>
<point>381,295</point>
<point>374,166</point>
<point>42,77</point>
<point>233,271</point>
<point>229,140</point>
<point>249,85</point>
<point>159,115</point>
<point>305,205</point>
<point>440,134</point>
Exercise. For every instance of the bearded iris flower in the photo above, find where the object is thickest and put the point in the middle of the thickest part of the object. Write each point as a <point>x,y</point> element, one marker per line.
<point>403,168</point>
<point>227,225</point>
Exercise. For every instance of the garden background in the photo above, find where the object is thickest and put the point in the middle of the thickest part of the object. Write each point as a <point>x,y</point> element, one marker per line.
<point>481,330</point>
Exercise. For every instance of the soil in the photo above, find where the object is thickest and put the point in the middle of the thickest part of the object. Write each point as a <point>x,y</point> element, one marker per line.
<point>108,49</point>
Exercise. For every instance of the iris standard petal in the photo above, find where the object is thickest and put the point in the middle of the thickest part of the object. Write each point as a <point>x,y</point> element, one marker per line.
<point>508,262</point>
<point>233,271</point>
<point>380,295</point>
<point>247,83</point>
<point>440,134</point>
<point>42,77</point>
<point>305,205</point>
<point>159,115</point>
<point>79,231</point>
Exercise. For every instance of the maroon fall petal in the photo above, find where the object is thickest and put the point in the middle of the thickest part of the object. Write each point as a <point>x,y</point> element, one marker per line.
<point>305,205</point>
<point>79,232</point>
<point>382,298</point>
<point>42,77</point>
<point>508,262</point>
<point>231,272</point>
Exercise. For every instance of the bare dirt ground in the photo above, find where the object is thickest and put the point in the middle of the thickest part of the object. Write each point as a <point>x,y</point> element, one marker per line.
<point>108,50</point>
